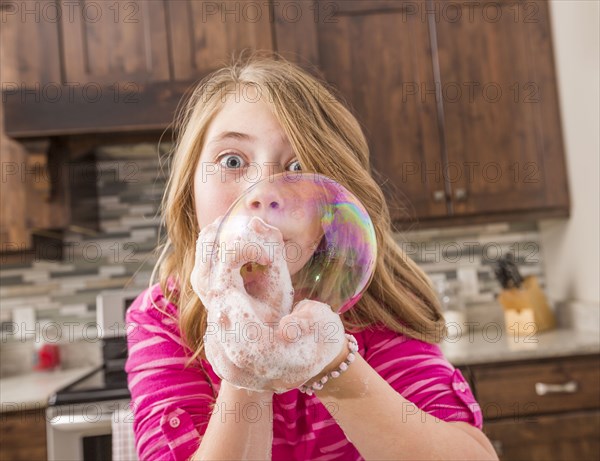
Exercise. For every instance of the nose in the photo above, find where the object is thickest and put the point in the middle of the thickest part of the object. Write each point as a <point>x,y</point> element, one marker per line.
<point>262,200</point>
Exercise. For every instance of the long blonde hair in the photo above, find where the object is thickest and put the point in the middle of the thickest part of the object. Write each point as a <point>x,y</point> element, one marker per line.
<point>327,139</point>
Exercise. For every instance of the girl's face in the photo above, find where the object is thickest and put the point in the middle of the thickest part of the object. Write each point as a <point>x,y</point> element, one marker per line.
<point>245,144</point>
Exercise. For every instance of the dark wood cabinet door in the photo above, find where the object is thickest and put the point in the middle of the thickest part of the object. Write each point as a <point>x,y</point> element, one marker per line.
<point>141,41</point>
<point>559,437</point>
<point>23,436</point>
<point>30,48</point>
<point>203,35</point>
<point>115,42</point>
<point>144,41</point>
<point>376,54</point>
<point>503,132</point>
<point>118,66</point>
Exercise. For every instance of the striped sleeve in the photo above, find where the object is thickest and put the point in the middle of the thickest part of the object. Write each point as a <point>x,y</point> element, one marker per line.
<point>421,374</point>
<point>171,404</point>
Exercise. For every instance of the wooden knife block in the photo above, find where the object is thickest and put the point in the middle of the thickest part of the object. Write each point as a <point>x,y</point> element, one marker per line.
<point>526,309</point>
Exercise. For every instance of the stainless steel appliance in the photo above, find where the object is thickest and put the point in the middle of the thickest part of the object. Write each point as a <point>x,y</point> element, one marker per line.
<point>82,431</point>
<point>79,416</point>
<point>111,306</point>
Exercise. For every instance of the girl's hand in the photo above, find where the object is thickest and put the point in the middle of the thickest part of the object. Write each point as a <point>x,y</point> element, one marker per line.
<point>312,330</point>
<point>254,339</point>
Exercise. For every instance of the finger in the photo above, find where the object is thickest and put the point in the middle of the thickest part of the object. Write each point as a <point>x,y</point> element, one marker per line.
<point>314,311</point>
<point>292,328</point>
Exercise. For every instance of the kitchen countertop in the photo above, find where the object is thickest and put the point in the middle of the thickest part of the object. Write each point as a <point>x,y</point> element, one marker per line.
<point>495,346</point>
<point>31,391</point>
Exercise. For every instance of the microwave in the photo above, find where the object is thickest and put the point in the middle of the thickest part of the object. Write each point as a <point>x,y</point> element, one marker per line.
<point>111,307</point>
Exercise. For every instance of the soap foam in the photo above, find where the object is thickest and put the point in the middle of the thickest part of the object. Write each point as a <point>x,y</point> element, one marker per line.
<point>287,346</point>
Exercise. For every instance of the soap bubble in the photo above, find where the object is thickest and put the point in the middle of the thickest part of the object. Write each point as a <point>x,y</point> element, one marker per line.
<point>326,237</point>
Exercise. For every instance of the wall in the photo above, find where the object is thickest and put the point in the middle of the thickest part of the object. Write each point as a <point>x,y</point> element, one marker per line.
<point>572,248</point>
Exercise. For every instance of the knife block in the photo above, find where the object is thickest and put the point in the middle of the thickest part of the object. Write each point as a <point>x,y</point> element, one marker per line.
<point>526,309</point>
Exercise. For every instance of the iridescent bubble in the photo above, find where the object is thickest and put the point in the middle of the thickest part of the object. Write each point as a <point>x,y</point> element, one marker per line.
<point>321,233</point>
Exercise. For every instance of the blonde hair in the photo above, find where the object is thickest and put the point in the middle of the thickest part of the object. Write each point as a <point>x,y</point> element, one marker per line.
<point>317,124</point>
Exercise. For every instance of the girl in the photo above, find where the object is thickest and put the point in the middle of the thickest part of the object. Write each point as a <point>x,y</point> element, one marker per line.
<point>398,399</point>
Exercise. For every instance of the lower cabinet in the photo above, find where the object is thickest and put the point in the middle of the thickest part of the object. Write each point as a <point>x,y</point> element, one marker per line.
<point>23,435</point>
<point>541,410</point>
<point>568,436</point>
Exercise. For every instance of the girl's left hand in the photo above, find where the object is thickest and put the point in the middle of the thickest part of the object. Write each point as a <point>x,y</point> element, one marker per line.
<point>259,342</point>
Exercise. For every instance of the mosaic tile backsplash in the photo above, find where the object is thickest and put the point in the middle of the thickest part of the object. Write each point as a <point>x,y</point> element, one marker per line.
<point>131,180</point>
<point>130,186</point>
<point>467,255</point>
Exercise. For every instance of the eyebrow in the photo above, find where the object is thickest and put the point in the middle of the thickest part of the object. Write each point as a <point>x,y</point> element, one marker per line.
<point>232,135</point>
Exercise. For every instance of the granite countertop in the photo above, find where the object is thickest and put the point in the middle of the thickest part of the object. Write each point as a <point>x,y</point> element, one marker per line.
<point>496,346</point>
<point>32,390</point>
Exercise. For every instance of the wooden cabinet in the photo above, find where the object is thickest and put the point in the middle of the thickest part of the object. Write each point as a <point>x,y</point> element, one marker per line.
<point>33,196</point>
<point>543,410</point>
<point>458,102</point>
<point>569,436</point>
<point>49,186</point>
<point>89,67</point>
<point>501,117</point>
<point>23,435</point>
<point>376,53</point>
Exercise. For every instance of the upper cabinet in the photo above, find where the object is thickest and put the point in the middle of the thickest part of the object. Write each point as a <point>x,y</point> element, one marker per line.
<point>376,54</point>
<point>80,67</point>
<point>502,126</point>
<point>458,101</point>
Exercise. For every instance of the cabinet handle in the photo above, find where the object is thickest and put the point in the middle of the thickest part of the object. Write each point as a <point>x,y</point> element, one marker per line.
<point>569,387</point>
<point>460,194</point>
<point>439,196</point>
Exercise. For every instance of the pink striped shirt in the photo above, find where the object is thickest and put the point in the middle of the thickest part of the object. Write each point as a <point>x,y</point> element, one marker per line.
<point>172,404</point>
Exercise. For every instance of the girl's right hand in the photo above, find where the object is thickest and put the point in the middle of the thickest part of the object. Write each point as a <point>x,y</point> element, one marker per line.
<point>259,342</point>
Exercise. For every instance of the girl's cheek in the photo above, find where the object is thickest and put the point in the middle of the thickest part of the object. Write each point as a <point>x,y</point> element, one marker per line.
<point>216,200</point>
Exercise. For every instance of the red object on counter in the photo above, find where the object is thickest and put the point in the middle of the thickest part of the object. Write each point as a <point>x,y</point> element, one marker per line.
<point>48,357</point>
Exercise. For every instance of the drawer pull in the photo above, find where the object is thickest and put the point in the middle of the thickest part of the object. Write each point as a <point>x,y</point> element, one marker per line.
<point>460,194</point>
<point>566,388</point>
<point>439,196</point>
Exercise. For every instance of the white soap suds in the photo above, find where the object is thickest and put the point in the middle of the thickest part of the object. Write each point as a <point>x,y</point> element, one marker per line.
<point>259,342</point>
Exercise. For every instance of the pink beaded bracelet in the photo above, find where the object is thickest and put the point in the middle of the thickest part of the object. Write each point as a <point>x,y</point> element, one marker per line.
<point>318,385</point>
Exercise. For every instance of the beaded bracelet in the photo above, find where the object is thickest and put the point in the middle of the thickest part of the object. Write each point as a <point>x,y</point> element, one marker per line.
<point>318,385</point>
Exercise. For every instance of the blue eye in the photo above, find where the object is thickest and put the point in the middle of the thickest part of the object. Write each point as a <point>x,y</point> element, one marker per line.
<point>231,161</point>
<point>295,166</point>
